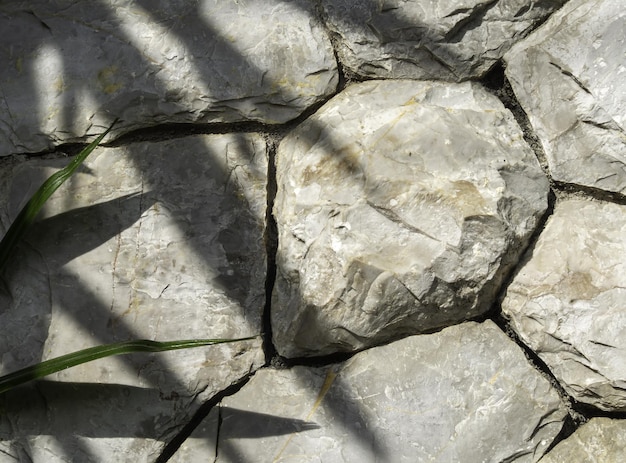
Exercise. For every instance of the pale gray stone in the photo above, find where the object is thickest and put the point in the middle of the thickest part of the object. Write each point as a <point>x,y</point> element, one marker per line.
<point>465,394</point>
<point>601,440</point>
<point>71,67</point>
<point>567,301</point>
<point>201,446</point>
<point>400,207</point>
<point>569,78</point>
<point>445,39</point>
<point>157,241</point>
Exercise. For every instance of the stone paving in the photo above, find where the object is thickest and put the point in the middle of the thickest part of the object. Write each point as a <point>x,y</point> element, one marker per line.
<point>417,209</point>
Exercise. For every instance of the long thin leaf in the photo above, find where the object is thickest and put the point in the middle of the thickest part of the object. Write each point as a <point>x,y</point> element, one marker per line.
<point>48,367</point>
<point>28,213</point>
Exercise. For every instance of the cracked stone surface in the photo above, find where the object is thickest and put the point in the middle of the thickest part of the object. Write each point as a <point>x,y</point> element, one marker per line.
<point>463,394</point>
<point>568,76</point>
<point>567,301</point>
<point>400,206</point>
<point>599,440</point>
<point>133,247</point>
<point>448,39</point>
<point>404,205</point>
<point>74,66</point>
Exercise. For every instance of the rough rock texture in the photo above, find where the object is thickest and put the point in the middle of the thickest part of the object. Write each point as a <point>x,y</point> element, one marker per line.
<point>463,394</point>
<point>134,247</point>
<point>568,77</point>
<point>400,205</point>
<point>74,66</point>
<point>601,440</point>
<point>201,445</point>
<point>445,39</point>
<point>567,302</point>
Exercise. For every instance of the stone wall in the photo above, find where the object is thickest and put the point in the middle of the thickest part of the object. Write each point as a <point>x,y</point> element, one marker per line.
<point>416,207</point>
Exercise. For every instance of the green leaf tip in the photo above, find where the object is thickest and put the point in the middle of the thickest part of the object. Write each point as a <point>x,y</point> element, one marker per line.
<point>28,213</point>
<point>90,354</point>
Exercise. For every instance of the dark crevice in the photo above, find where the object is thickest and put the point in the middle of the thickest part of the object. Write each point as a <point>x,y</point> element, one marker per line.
<point>576,418</point>
<point>496,82</point>
<point>170,131</point>
<point>220,420</point>
<point>320,361</point>
<point>271,247</point>
<point>472,21</point>
<point>570,425</point>
<point>203,411</point>
<point>525,255</point>
<point>579,412</point>
<point>59,151</point>
<point>346,77</point>
<point>575,189</point>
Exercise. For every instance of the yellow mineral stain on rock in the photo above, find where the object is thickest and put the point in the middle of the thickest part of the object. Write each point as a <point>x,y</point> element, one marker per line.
<point>579,285</point>
<point>465,197</point>
<point>59,85</point>
<point>106,80</point>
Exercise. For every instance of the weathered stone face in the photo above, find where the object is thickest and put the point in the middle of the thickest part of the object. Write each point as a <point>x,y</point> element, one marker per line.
<point>568,78</point>
<point>400,205</point>
<point>160,241</point>
<point>463,394</point>
<point>567,302</point>
<point>74,66</point>
<point>403,206</point>
<point>446,39</point>
<point>600,439</point>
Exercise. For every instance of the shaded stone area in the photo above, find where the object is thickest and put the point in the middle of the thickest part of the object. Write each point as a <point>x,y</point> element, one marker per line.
<point>448,39</point>
<point>332,178</point>
<point>135,246</point>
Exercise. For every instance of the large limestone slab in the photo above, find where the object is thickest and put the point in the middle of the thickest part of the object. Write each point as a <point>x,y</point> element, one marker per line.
<point>567,302</point>
<point>71,67</point>
<point>157,241</point>
<point>446,39</point>
<point>599,440</point>
<point>400,207</point>
<point>569,78</point>
<point>464,394</point>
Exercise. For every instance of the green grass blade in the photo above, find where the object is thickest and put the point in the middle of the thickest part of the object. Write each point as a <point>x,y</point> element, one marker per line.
<point>28,213</point>
<point>48,367</point>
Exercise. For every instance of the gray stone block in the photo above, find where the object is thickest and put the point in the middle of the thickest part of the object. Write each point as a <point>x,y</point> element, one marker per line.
<point>569,78</point>
<point>567,301</point>
<point>599,440</point>
<point>446,39</point>
<point>465,394</point>
<point>400,207</point>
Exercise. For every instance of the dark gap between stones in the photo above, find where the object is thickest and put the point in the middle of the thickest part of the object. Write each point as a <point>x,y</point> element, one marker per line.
<point>574,417</point>
<point>172,447</point>
<point>271,247</point>
<point>496,82</point>
<point>574,189</point>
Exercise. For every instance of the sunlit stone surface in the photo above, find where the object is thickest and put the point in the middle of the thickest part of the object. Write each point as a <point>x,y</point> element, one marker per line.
<point>71,67</point>
<point>400,207</point>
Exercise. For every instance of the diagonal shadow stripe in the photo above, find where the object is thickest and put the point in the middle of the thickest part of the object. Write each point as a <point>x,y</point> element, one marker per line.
<point>63,402</point>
